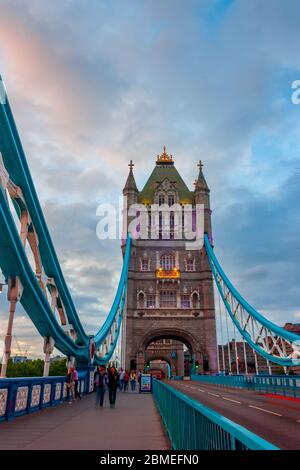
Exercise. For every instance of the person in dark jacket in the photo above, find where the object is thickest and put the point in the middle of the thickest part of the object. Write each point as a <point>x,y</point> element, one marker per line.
<point>101,382</point>
<point>70,385</point>
<point>113,380</point>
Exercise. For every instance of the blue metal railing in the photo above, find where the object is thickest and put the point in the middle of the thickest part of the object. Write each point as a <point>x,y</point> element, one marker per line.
<point>19,396</point>
<point>275,384</point>
<point>193,426</point>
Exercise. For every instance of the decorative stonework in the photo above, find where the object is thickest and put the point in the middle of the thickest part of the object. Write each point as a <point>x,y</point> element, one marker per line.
<point>35,396</point>
<point>3,401</point>
<point>47,393</point>
<point>58,391</point>
<point>21,400</point>
<point>65,390</point>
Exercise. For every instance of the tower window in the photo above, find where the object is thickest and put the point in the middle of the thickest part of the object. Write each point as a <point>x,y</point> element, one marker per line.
<point>185,301</point>
<point>168,298</point>
<point>141,300</point>
<point>150,301</point>
<point>167,262</point>
<point>171,200</point>
<point>190,265</point>
<point>144,265</point>
<point>195,300</point>
<point>161,199</point>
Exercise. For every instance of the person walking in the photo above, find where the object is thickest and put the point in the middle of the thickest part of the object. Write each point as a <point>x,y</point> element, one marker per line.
<point>76,383</point>
<point>101,382</point>
<point>126,380</point>
<point>139,378</point>
<point>70,385</point>
<point>113,379</point>
<point>132,380</point>
<point>121,379</point>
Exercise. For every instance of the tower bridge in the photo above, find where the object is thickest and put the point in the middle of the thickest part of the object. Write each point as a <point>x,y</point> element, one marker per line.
<point>170,293</point>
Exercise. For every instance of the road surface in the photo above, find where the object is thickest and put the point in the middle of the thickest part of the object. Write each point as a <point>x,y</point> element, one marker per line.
<point>274,419</point>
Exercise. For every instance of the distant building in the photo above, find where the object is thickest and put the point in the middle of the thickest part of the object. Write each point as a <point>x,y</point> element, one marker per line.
<point>227,357</point>
<point>57,358</point>
<point>19,359</point>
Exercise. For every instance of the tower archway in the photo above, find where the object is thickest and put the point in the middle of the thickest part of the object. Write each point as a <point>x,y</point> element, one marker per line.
<point>179,347</point>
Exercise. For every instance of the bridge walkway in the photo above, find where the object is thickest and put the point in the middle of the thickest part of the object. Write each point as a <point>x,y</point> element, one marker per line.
<point>134,424</point>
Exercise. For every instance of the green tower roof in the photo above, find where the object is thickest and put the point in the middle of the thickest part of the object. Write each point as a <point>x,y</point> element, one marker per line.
<point>165,169</point>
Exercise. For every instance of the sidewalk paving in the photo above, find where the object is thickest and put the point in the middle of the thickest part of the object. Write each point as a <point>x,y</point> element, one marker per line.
<point>134,424</point>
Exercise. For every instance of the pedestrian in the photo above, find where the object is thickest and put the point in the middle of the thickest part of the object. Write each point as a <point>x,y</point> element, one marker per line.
<point>121,379</point>
<point>76,383</point>
<point>70,385</point>
<point>113,379</point>
<point>139,378</point>
<point>126,380</point>
<point>101,382</point>
<point>132,380</point>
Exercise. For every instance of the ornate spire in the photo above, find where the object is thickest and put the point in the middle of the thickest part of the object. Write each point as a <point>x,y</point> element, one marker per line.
<point>200,183</point>
<point>164,158</point>
<point>130,183</point>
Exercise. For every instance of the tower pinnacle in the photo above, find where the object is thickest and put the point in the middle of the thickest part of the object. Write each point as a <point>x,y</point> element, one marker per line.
<point>130,183</point>
<point>164,158</point>
<point>200,183</point>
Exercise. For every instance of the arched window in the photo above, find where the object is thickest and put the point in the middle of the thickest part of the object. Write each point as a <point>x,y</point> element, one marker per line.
<point>167,262</point>
<point>141,300</point>
<point>161,199</point>
<point>195,300</point>
<point>190,264</point>
<point>171,199</point>
<point>144,264</point>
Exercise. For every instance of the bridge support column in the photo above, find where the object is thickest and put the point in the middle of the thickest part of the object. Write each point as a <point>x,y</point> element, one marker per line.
<point>14,294</point>
<point>48,350</point>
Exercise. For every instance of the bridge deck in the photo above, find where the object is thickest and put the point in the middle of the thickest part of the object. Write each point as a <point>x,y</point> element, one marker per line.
<point>276,420</point>
<point>134,424</point>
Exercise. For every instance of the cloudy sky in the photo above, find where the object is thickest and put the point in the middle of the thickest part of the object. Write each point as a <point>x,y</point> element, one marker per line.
<point>95,83</point>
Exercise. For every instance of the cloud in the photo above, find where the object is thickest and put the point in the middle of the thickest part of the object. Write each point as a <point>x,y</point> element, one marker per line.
<point>94,84</point>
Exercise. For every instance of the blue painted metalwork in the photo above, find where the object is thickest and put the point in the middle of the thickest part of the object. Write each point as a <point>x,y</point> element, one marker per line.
<point>116,312</point>
<point>193,426</point>
<point>17,167</point>
<point>21,396</point>
<point>14,261</point>
<point>275,384</point>
<point>272,333</point>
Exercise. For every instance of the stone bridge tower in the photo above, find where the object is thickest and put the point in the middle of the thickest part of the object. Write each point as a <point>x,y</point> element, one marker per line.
<point>170,287</point>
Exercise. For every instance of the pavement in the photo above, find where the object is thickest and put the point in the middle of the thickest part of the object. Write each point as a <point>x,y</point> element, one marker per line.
<point>134,424</point>
<point>274,419</point>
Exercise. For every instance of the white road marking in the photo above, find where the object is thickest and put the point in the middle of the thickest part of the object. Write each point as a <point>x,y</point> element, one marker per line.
<point>200,390</point>
<point>266,411</point>
<point>230,399</point>
<point>213,394</point>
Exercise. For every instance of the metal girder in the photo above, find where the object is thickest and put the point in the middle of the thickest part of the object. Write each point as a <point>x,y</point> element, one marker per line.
<point>269,340</point>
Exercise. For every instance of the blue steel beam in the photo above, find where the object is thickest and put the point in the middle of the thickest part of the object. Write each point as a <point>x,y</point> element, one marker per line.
<point>14,262</point>
<point>276,330</point>
<point>15,163</point>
